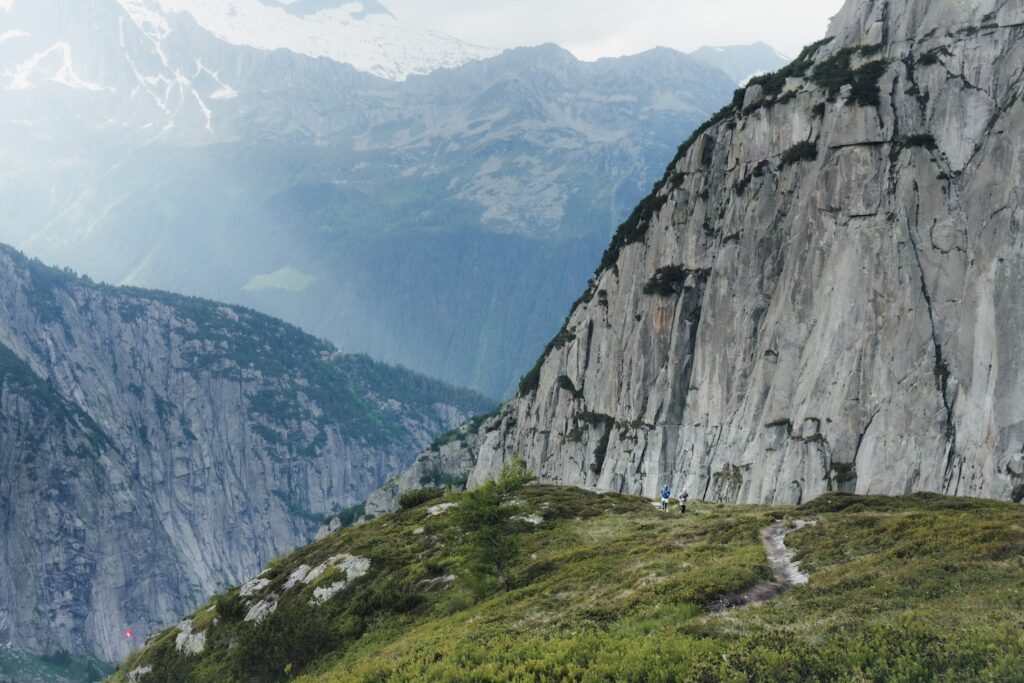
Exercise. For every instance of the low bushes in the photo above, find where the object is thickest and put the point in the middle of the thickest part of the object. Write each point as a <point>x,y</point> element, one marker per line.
<point>926,140</point>
<point>417,497</point>
<point>837,71</point>
<point>667,281</point>
<point>801,151</point>
<point>294,635</point>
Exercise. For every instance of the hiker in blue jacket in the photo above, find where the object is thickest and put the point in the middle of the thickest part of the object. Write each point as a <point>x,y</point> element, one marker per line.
<point>666,493</point>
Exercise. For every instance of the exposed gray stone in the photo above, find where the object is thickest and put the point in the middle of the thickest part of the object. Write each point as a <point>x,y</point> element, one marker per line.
<point>754,95</point>
<point>856,324</point>
<point>147,460</point>
<point>262,609</point>
<point>189,641</point>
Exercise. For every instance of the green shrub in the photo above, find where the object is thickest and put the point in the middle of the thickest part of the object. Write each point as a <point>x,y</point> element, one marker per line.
<point>530,382</point>
<point>737,98</point>
<point>417,497</point>
<point>565,383</point>
<point>446,438</point>
<point>926,140</point>
<point>485,516</point>
<point>601,451</point>
<point>229,606</point>
<point>866,91</point>
<point>279,646</point>
<point>837,71</point>
<point>350,515</point>
<point>635,227</point>
<point>169,665</point>
<point>668,281</point>
<point>934,56</point>
<point>773,83</point>
<point>801,151</point>
<point>395,596</point>
<point>742,186</point>
<point>435,475</point>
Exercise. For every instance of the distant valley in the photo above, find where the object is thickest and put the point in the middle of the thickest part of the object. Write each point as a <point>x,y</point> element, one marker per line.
<point>443,221</point>
<point>155,448</point>
<point>394,191</point>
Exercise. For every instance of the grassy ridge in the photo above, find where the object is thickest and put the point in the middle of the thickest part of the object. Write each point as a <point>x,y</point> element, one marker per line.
<point>608,588</point>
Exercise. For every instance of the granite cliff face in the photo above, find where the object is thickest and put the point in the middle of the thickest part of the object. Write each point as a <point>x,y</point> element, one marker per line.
<point>156,448</point>
<point>822,294</point>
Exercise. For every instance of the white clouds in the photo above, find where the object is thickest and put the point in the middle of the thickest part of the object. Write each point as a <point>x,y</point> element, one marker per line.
<point>600,28</point>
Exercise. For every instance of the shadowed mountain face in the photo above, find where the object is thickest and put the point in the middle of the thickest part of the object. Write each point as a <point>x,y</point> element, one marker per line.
<point>445,222</point>
<point>155,448</point>
<point>820,295</point>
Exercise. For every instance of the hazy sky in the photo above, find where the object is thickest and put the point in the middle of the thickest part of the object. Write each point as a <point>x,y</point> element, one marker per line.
<point>611,28</point>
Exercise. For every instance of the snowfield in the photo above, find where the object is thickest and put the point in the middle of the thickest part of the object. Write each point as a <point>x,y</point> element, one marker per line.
<point>368,37</point>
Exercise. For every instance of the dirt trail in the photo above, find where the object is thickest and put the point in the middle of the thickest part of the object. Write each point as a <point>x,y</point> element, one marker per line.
<point>787,572</point>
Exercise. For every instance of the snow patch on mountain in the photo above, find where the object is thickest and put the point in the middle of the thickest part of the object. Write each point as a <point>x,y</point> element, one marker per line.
<point>223,90</point>
<point>362,34</point>
<point>225,93</point>
<point>150,21</point>
<point>304,7</point>
<point>53,65</point>
<point>174,91</point>
<point>11,35</point>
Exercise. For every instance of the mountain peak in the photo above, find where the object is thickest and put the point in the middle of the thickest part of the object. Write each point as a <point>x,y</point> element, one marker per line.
<point>363,34</point>
<point>903,21</point>
<point>302,8</point>
<point>741,62</point>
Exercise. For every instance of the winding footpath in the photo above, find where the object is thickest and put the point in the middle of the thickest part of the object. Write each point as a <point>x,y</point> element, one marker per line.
<point>786,572</point>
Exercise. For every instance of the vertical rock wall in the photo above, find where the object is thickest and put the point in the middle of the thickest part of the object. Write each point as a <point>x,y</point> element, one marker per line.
<point>824,292</point>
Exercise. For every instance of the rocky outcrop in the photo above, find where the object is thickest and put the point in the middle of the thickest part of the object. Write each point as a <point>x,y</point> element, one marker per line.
<point>823,292</point>
<point>156,448</point>
<point>446,463</point>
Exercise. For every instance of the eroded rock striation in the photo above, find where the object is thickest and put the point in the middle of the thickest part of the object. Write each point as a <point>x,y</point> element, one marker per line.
<point>823,294</point>
<point>156,448</point>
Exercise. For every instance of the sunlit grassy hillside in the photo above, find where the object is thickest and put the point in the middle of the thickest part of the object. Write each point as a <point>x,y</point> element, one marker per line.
<point>608,588</point>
